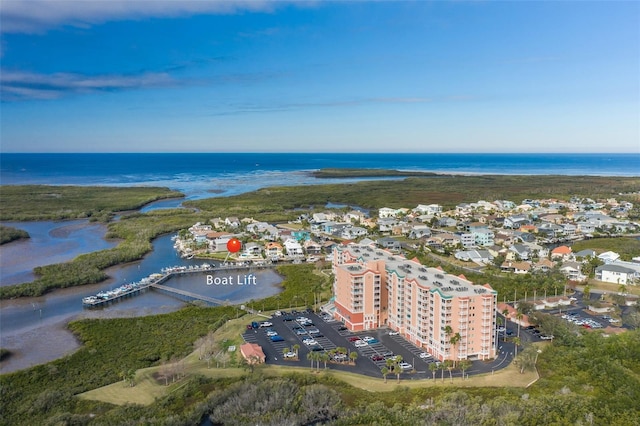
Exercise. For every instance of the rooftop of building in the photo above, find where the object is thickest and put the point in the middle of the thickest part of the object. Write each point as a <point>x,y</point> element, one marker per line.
<point>435,279</point>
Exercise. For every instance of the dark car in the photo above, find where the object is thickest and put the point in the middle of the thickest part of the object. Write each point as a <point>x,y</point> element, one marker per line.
<point>277,339</point>
<point>377,357</point>
<point>342,328</point>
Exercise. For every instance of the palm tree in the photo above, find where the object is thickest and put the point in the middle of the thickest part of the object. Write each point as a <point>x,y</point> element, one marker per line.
<point>384,372</point>
<point>353,356</point>
<point>454,340</point>
<point>465,365</point>
<point>519,316</point>
<point>433,367</point>
<point>311,357</point>
<point>396,366</point>
<point>324,357</point>
<point>296,348</point>
<point>442,367</point>
<point>286,351</point>
<point>449,365</point>
<point>516,342</point>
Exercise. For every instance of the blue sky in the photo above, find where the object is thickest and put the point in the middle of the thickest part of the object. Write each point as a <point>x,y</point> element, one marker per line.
<point>277,76</point>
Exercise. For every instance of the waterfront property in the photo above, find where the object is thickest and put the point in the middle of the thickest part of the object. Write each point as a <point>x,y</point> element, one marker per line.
<point>447,315</point>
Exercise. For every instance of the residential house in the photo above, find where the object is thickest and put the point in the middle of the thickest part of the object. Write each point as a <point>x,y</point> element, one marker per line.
<point>252,250</point>
<point>420,231</point>
<point>218,240</point>
<point>516,267</point>
<point>609,256</point>
<point>480,257</point>
<point>519,251</point>
<point>431,209</point>
<point>293,248</point>
<point>232,222</point>
<point>572,270</point>
<point>516,221</point>
<point>483,237</point>
<point>312,248</point>
<point>354,216</point>
<point>273,250</point>
<point>386,224</point>
<point>386,212</point>
<point>467,240</point>
<point>585,254</point>
<point>447,222</point>
<point>561,253</point>
<point>352,232</point>
<point>300,235</point>
<point>543,265</point>
<point>389,244</point>
<point>617,274</point>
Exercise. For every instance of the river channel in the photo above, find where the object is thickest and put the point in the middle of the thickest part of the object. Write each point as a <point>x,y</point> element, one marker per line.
<point>34,328</point>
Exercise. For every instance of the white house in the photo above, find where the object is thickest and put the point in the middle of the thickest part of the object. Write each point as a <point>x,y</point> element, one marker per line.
<point>615,274</point>
<point>428,209</point>
<point>293,248</point>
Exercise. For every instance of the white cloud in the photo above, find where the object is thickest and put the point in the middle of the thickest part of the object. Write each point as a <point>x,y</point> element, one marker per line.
<point>17,85</point>
<point>37,16</point>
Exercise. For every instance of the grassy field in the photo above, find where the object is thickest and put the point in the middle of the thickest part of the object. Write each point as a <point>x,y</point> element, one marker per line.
<point>279,202</point>
<point>43,202</point>
<point>626,247</point>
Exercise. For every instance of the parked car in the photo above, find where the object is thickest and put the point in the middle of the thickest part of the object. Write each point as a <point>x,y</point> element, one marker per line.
<point>313,331</point>
<point>277,338</point>
<point>394,333</point>
<point>290,355</point>
<point>405,366</point>
<point>545,337</point>
<point>353,339</point>
<point>377,357</point>
<point>342,328</point>
<point>360,343</point>
<point>367,338</point>
<point>424,355</point>
<point>266,324</point>
<point>272,333</point>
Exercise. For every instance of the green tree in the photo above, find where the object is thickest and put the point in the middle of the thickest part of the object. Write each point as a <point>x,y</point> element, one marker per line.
<point>464,366</point>
<point>433,367</point>
<point>385,372</point>
<point>353,356</point>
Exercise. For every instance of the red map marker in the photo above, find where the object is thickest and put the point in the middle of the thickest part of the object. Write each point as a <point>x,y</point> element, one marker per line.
<point>234,245</point>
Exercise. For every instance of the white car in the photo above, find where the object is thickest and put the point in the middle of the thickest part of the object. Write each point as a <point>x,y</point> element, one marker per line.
<point>614,320</point>
<point>545,337</point>
<point>368,338</point>
<point>405,366</point>
<point>360,343</point>
<point>272,333</point>
<point>394,333</point>
<point>290,355</point>
<point>266,324</point>
<point>309,342</point>
<point>424,355</point>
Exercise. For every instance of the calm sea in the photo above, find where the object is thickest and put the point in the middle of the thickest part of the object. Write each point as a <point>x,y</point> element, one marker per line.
<point>213,174</point>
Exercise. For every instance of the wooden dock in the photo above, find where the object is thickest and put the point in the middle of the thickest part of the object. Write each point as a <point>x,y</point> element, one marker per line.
<point>158,279</point>
<point>188,294</point>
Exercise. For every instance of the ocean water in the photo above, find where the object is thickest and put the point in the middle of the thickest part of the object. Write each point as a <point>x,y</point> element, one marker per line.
<point>200,175</point>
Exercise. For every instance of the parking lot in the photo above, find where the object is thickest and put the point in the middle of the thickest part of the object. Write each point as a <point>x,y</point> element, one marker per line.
<point>317,332</point>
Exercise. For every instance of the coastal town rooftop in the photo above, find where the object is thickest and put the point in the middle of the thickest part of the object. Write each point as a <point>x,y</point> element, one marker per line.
<point>411,270</point>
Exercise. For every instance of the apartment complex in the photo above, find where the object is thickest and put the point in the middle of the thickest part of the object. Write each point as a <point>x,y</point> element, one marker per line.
<point>447,315</point>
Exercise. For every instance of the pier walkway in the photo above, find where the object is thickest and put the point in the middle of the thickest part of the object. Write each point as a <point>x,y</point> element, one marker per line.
<point>188,294</point>
<point>154,281</point>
